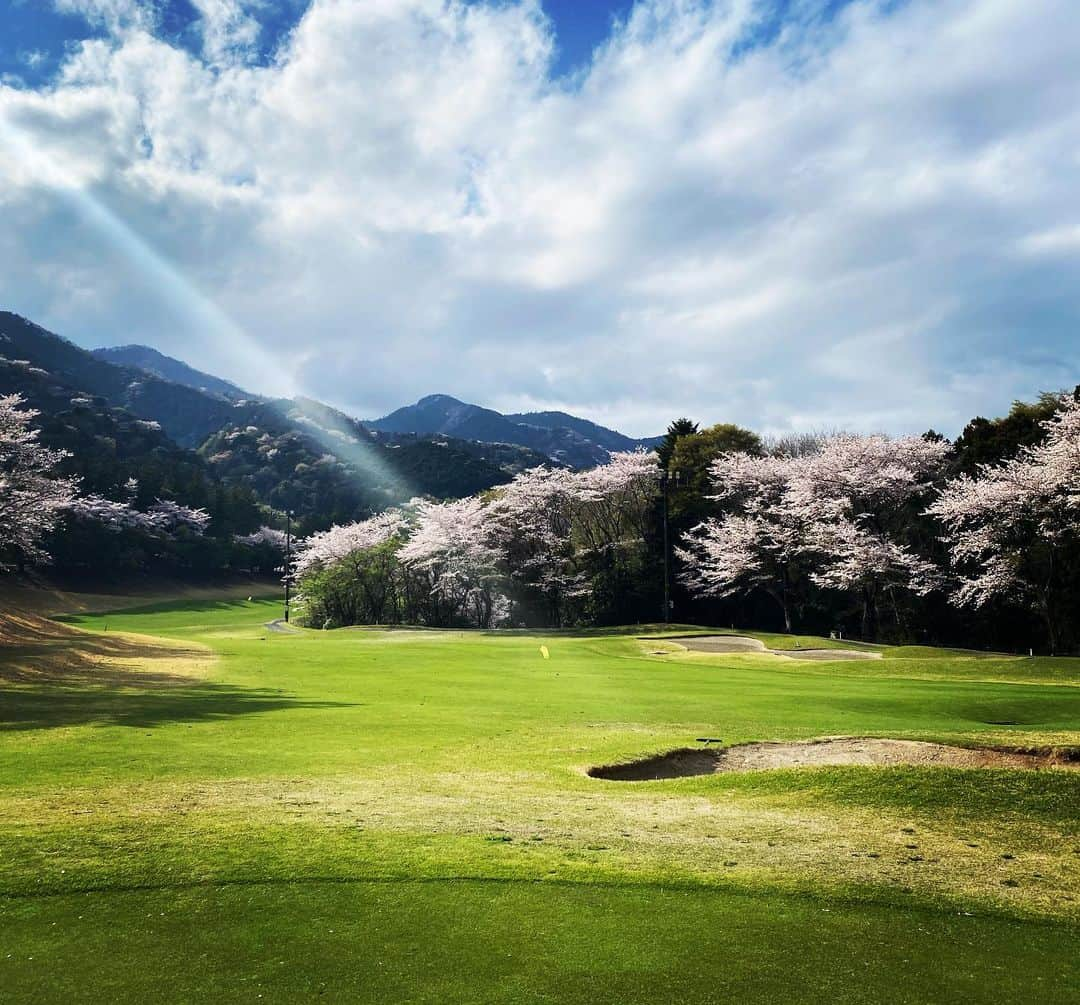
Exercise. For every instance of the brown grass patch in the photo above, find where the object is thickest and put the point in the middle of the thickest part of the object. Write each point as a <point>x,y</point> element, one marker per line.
<point>35,650</point>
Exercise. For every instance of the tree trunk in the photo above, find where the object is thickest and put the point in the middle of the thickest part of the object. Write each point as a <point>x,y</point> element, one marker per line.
<point>1047,610</point>
<point>784,601</point>
<point>781,597</point>
<point>1048,619</point>
<point>869,614</point>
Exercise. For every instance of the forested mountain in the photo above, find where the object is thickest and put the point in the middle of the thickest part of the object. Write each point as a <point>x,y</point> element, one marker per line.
<point>188,416</point>
<point>575,442</point>
<point>609,439</point>
<point>277,453</point>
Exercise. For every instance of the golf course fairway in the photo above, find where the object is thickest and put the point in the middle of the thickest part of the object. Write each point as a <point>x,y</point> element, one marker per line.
<point>195,807</point>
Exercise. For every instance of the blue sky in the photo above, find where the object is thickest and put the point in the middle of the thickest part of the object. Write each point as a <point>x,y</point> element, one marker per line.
<point>786,213</point>
<point>34,34</point>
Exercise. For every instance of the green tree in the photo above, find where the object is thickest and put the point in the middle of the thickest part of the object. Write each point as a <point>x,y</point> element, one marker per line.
<point>676,431</point>
<point>689,467</point>
<point>991,441</point>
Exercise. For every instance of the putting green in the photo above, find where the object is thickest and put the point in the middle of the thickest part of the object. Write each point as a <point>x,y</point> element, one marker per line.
<point>194,807</point>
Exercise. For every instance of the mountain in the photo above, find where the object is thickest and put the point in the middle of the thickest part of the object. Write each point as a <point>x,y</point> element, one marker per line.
<point>145,358</point>
<point>188,416</point>
<point>439,413</point>
<point>565,438</point>
<point>611,439</point>
<point>294,454</point>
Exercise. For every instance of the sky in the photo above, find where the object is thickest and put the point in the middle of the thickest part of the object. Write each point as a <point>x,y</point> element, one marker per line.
<point>791,214</point>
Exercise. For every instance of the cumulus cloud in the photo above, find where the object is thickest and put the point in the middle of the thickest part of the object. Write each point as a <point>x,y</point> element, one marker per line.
<point>866,220</point>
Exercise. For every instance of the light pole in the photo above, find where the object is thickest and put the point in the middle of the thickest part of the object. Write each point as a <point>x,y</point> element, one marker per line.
<point>288,559</point>
<point>665,479</point>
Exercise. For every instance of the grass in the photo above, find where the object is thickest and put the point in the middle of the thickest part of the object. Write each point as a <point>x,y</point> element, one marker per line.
<point>191,802</point>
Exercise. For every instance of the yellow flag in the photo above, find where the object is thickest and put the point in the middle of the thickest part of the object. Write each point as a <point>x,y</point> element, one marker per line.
<point>544,652</point>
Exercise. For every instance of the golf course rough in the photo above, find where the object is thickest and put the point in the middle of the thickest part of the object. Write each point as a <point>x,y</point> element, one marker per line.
<point>195,808</point>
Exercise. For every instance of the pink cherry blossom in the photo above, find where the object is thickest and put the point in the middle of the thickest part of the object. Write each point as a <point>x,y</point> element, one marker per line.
<point>1006,525</point>
<point>33,497</point>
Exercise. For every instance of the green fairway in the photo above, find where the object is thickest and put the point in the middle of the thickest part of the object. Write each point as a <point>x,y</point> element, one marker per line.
<point>193,807</point>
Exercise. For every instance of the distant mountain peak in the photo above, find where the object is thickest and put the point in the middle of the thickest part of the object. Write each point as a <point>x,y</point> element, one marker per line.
<point>438,399</point>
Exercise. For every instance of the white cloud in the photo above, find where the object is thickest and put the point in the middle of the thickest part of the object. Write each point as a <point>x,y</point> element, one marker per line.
<point>229,28</point>
<point>823,230</point>
<point>1065,238</point>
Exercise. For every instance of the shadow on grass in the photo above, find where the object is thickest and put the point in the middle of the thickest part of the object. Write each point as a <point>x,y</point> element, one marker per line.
<point>29,708</point>
<point>52,675</point>
<point>201,605</point>
<point>36,650</point>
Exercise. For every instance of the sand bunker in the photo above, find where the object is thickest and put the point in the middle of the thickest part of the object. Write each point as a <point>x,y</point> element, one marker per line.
<point>824,753</point>
<point>744,644</point>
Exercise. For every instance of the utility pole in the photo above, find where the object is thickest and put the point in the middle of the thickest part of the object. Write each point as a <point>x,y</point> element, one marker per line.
<point>288,559</point>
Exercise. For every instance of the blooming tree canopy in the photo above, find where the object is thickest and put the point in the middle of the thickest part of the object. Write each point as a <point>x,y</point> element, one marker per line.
<point>543,539</point>
<point>856,494</point>
<point>831,514</point>
<point>264,537</point>
<point>341,541</point>
<point>758,543</point>
<point>452,548</point>
<point>32,496</point>
<point>614,499</point>
<point>350,574</point>
<point>530,522</point>
<point>1007,525</point>
<point>164,517</point>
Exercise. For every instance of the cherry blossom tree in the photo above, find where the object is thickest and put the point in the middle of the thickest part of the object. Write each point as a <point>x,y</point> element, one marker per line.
<point>350,574</point>
<point>264,537</point>
<point>452,550</point>
<point>33,497</point>
<point>836,515</point>
<point>340,541</point>
<point>759,543</point>
<point>164,518</point>
<point>264,549</point>
<point>858,496</point>
<point>615,499</point>
<point>111,514</point>
<point>172,517</point>
<point>614,503</point>
<point>530,522</point>
<point>1009,526</point>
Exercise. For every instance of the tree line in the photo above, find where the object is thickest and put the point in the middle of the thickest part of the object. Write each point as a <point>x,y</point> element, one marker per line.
<point>908,539</point>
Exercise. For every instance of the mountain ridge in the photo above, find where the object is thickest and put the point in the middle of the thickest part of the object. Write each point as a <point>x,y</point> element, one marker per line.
<point>169,368</point>
<point>554,436</point>
<point>565,438</point>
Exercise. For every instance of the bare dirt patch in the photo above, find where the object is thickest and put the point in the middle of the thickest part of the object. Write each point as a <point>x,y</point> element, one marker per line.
<point>745,644</point>
<point>829,752</point>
